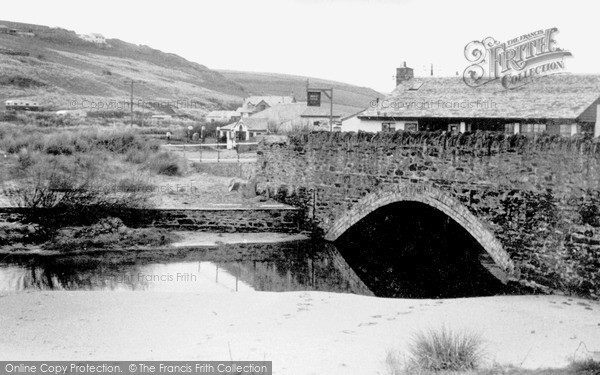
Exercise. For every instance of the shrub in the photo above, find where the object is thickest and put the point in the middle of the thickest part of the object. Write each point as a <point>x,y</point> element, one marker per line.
<point>393,364</point>
<point>70,191</point>
<point>585,367</point>
<point>108,114</point>
<point>167,164</point>
<point>135,184</point>
<point>445,350</point>
<point>109,233</point>
<point>137,156</point>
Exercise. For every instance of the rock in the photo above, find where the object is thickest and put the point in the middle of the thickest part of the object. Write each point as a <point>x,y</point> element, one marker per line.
<point>249,190</point>
<point>236,184</point>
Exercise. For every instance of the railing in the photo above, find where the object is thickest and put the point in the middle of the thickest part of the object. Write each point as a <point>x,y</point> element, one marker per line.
<point>186,146</point>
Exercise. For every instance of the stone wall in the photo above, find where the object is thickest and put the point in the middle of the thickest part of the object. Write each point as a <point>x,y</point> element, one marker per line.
<point>208,220</point>
<point>539,197</point>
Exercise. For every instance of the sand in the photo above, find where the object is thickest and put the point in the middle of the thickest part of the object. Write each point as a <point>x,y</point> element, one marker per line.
<point>301,332</point>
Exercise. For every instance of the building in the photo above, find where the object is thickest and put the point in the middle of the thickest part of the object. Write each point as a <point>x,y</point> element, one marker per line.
<point>562,104</point>
<point>28,34</point>
<point>283,117</point>
<point>161,118</point>
<point>243,130</point>
<point>318,118</point>
<point>23,104</point>
<point>353,124</point>
<point>7,30</point>
<point>223,116</point>
<point>94,38</point>
<point>254,104</point>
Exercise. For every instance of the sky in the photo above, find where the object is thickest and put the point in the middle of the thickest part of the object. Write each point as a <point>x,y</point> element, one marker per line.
<point>359,42</point>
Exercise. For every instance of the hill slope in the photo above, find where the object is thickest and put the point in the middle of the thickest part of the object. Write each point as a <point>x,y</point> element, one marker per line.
<point>285,84</point>
<point>62,71</point>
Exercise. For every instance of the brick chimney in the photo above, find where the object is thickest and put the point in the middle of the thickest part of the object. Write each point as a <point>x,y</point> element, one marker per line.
<point>403,73</point>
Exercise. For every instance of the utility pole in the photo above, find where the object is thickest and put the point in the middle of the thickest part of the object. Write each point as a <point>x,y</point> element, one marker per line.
<point>131,98</point>
<point>331,111</point>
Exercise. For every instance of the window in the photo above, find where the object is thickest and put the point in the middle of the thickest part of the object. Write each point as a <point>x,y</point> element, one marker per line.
<point>388,126</point>
<point>533,128</point>
<point>411,126</point>
<point>415,86</point>
<point>565,130</point>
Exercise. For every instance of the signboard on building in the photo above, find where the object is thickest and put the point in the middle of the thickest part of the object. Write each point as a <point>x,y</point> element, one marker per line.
<point>313,98</point>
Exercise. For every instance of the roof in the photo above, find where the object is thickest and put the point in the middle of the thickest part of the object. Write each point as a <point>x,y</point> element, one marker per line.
<point>243,110</point>
<point>324,110</point>
<point>222,114</point>
<point>353,115</point>
<point>253,124</point>
<point>270,100</point>
<point>281,112</point>
<point>559,96</point>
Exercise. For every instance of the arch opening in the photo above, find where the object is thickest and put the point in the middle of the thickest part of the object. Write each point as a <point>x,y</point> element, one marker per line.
<point>410,249</point>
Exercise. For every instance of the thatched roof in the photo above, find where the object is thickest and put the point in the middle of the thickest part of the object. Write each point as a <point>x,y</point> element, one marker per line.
<point>560,96</point>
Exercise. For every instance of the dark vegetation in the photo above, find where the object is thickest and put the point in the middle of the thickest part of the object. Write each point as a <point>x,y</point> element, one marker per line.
<point>73,177</point>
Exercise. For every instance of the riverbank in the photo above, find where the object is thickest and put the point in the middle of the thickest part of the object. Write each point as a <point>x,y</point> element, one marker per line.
<point>301,332</point>
<point>185,240</point>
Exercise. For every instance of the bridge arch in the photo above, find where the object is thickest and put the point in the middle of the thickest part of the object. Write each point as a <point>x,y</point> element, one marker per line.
<point>432,197</point>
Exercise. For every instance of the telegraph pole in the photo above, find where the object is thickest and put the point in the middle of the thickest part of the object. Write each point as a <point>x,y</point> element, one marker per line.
<point>131,98</point>
<point>331,111</point>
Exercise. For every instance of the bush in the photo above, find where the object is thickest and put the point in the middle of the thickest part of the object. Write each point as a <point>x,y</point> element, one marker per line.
<point>445,350</point>
<point>135,184</point>
<point>167,164</point>
<point>70,191</point>
<point>137,156</point>
<point>585,367</point>
<point>109,233</point>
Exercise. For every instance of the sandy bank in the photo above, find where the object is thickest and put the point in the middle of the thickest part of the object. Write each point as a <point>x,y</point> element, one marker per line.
<point>191,239</point>
<point>302,333</point>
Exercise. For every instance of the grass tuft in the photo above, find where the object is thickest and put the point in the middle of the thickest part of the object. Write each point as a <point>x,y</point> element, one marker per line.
<point>445,350</point>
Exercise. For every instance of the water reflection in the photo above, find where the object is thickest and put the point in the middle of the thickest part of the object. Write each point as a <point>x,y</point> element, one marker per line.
<point>411,250</point>
<point>399,251</point>
<point>236,268</point>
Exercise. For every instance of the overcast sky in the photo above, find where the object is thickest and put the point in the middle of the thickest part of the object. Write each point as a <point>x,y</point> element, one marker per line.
<point>354,41</point>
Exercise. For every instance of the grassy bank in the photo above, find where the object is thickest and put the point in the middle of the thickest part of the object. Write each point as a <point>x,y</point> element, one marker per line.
<point>83,175</point>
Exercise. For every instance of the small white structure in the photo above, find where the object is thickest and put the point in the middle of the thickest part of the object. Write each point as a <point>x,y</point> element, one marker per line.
<point>161,118</point>
<point>243,130</point>
<point>71,112</point>
<point>94,38</point>
<point>22,104</point>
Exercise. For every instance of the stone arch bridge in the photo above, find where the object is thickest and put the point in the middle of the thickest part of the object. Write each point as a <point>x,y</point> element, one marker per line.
<point>531,203</point>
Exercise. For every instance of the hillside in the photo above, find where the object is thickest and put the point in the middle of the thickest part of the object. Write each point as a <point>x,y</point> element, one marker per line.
<point>62,71</point>
<point>284,84</point>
